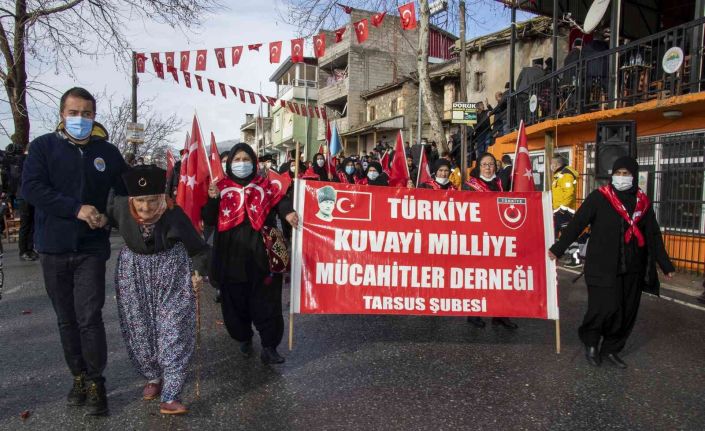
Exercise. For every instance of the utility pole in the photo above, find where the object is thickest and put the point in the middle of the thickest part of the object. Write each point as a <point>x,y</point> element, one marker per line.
<point>464,95</point>
<point>134,97</point>
<point>512,60</point>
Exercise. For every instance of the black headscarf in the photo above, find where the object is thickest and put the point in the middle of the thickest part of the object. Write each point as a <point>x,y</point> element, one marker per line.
<point>628,197</point>
<point>250,152</point>
<point>320,170</point>
<point>341,168</point>
<point>439,163</point>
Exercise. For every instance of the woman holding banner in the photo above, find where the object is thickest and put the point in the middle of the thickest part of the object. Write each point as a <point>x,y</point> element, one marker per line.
<point>441,176</point>
<point>484,179</point>
<point>625,246</point>
<point>244,207</point>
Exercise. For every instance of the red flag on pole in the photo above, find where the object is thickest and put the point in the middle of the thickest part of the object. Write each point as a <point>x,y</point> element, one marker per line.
<point>236,53</point>
<point>424,176</point>
<point>252,97</point>
<point>183,177</point>
<point>199,82</point>
<point>211,86</point>
<point>170,162</point>
<point>378,18</point>
<point>220,56</point>
<point>197,176</point>
<point>222,90</point>
<point>362,30</point>
<point>399,171</point>
<point>170,61</point>
<point>216,166</point>
<point>242,95</point>
<point>319,45</point>
<point>254,47</point>
<point>201,56</point>
<point>339,34</point>
<point>407,13</point>
<point>321,148</point>
<point>185,56</point>
<point>187,78</point>
<point>522,176</point>
<point>282,181</point>
<point>384,161</point>
<point>297,50</point>
<point>275,51</point>
<point>140,59</point>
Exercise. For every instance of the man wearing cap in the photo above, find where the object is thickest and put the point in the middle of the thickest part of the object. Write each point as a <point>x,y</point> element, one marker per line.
<point>625,246</point>
<point>67,177</point>
<point>326,203</point>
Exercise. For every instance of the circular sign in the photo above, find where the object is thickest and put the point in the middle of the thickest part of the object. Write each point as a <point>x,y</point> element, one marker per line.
<point>533,103</point>
<point>672,60</point>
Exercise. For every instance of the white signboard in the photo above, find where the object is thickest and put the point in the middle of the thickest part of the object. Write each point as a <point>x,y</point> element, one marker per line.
<point>134,133</point>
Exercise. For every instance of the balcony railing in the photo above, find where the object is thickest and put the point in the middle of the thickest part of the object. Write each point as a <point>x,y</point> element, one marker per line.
<point>624,76</point>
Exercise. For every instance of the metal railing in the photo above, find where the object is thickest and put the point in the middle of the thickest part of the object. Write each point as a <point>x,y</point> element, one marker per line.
<point>672,173</point>
<point>625,76</point>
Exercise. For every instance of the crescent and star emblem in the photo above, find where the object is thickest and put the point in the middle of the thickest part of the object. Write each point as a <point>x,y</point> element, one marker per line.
<point>405,17</point>
<point>339,207</point>
<point>259,189</point>
<point>201,58</point>
<point>237,190</point>
<point>278,183</point>
<point>512,219</point>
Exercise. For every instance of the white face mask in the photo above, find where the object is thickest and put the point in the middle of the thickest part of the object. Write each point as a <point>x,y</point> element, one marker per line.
<point>320,163</point>
<point>622,183</point>
<point>442,181</point>
<point>488,179</point>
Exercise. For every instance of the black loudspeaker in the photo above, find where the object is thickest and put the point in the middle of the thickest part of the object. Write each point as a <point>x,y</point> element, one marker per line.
<point>614,140</point>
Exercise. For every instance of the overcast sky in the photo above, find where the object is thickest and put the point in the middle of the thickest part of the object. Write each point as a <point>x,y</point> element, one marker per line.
<point>246,21</point>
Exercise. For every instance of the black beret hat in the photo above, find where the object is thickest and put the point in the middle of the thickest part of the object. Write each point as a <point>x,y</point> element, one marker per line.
<point>145,180</point>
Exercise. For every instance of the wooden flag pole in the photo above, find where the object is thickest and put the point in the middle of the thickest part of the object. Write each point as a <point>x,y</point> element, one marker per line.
<point>558,336</point>
<point>293,248</point>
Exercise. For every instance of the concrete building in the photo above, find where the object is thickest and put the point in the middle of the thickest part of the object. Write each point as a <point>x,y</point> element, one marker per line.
<point>387,57</point>
<point>299,83</point>
<point>257,130</point>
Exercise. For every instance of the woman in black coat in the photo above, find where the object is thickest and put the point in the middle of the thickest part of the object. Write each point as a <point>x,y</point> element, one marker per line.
<point>625,246</point>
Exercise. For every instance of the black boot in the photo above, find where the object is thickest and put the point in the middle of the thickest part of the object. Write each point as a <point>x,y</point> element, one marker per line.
<point>616,360</point>
<point>592,356</point>
<point>77,395</point>
<point>504,321</point>
<point>476,321</point>
<point>271,356</point>
<point>246,348</point>
<point>97,400</point>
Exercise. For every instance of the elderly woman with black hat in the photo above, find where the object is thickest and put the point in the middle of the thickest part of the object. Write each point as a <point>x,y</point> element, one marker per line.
<point>244,207</point>
<point>625,246</point>
<point>154,283</point>
<point>441,176</point>
<point>374,175</point>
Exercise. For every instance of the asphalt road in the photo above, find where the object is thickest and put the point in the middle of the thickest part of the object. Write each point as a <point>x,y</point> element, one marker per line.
<point>371,372</point>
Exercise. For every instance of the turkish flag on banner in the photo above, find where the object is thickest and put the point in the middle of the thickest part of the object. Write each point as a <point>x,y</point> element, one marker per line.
<point>220,56</point>
<point>197,177</point>
<point>242,95</point>
<point>407,13</point>
<point>170,162</point>
<point>386,250</point>
<point>282,181</point>
<point>169,61</point>
<point>318,112</point>
<point>155,60</point>
<point>522,175</point>
<point>199,82</point>
<point>378,18</point>
<point>185,57</point>
<point>222,90</point>
<point>252,97</point>
<point>254,47</point>
<point>282,103</point>
<point>211,86</point>
<point>291,107</point>
<point>275,51</point>
<point>201,57</point>
<point>303,109</point>
<point>175,74</point>
<point>399,170</point>
<point>140,59</point>
<point>362,30</point>
<point>234,90</point>
<point>297,50</point>
<point>319,45</point>
<point>311,112</point>
<point>236,54</point>
<point>159,67</point>
<point>216,165</point>
<point>187,78</point>
<point>272,101</point>
<point>262,98</point>
<point>183,174</point>
<point>339,34</point>
<point>424,176</point>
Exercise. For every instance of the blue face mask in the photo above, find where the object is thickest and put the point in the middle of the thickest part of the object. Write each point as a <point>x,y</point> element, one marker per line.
<point>241,169</point>
<point>78,128</point>
<point>349,170</point>
<point>373,175</point>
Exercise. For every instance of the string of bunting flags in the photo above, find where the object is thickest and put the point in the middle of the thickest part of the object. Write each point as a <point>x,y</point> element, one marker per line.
<point>407,15</point>
<point>246,95</point>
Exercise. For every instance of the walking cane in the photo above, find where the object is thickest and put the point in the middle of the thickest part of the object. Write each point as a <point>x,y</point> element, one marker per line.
<point>197,290</point>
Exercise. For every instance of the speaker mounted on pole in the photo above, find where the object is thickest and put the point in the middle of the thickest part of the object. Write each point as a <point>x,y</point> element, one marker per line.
<point>614,139</point>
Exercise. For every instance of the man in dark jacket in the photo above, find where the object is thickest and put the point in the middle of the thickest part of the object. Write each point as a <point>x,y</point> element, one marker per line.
<point>625,246</point>
<point>67,177</point>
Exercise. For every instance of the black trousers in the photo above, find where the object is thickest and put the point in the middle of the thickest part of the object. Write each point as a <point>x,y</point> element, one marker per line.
<point>26,234</point>
<point>611,313</point>
<point>75,283</point>
<point>245,304</point>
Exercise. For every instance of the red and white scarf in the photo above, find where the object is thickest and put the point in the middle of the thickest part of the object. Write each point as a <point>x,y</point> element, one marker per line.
<point>642,205</point>
<point>255,200</point>
<point>481,186</point>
